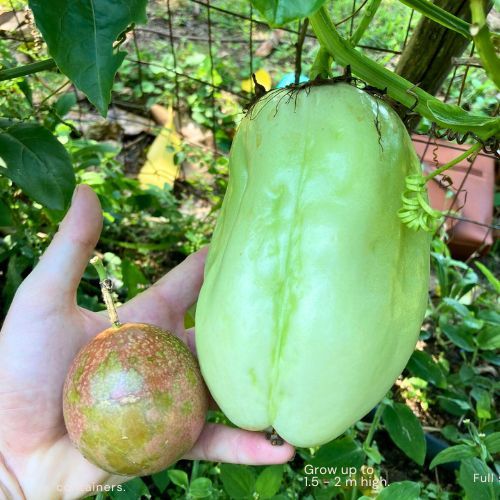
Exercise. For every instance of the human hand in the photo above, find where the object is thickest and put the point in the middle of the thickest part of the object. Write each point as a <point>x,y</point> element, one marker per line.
<point>42,333</point>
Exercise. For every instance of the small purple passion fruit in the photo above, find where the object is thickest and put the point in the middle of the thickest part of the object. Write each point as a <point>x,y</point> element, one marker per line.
<point>134,400</point>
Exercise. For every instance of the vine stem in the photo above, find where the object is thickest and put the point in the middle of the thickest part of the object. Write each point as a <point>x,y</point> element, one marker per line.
<point>27,69</point>
<point>484,45</point>
<point>474,357</point>
<point>106,288</point>
<point>321,65</point>
<point>195,470</point>
<point>373,427</point>
<point>440,16</point>
<point>398,88</point>
<point>370,11</point>
<point>453,162</point>
<point>354,491</point>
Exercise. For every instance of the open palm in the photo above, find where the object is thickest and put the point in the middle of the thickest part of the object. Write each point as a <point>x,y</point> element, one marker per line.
<point>42,333</point>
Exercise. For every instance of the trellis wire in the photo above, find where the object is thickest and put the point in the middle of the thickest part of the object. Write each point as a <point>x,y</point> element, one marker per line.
<point>460,189</point>
<point>408,27</point>
<point>174,59</point>
<point>354,10</point>
<point>212,69</point>
<point>210,6</point>
<point>353,15</point>
<point>287,29</point>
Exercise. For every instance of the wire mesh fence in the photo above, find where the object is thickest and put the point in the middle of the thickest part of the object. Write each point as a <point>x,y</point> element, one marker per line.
<point>206,51</point>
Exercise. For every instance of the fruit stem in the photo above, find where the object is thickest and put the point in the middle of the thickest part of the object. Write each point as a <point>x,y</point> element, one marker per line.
<point>106,288</point>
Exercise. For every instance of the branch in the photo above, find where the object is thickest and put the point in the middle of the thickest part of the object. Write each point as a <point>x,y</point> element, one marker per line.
<point>400,89</point>
<point>365,21</point>
<point>27,69</point>
<point>298,49</point>
<point>481,36</point>
<point>440,16</point>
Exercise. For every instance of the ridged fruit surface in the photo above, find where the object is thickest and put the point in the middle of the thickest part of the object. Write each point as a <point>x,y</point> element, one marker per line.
<point>314,290</point>
<point>134,401</point>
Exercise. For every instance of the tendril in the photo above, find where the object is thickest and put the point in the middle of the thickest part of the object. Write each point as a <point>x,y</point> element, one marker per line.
<point>416,212</point>
<point>490,146</point>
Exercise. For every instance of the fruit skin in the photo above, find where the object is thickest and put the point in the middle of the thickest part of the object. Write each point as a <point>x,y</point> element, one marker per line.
<point>314,290</point>
<point>134,400</point>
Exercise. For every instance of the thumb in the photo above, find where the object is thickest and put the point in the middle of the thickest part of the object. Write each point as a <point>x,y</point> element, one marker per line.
<point>61,267</point>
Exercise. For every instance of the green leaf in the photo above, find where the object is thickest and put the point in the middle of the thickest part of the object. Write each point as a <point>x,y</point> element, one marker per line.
<point>492,442</point>
<point>458,307</point>
<point>131,490</point>
<point>453,454</point>
<point>473,323</point>
<point>161,480</point>
<point>490,357</point>
<point>490,316</point>
<point>483,402</point>
<point>200,487</point>
<point>489,338</point>
<point>459,336</point>
<point>65,103</point>
<point>179,478</point>
<point>5,215</point>
<point>423,366</point>
<point>189,317</point>
<point>456,116</point>
<point>132,278</point>
<point>373,453</point>
<point>17,265</point>
<point>405,430</point>
<point>322,493</point>
<point>466,373</point>
<point>494,282</point>
<point>338,454</point>
<point>404,490</point>
<point>25,88</point>
<point>279,12</point>
<point>37,163</point>
<point>92,153</point>
<point>450,433</point>
<point>454,405</point>
<point>5,252</point>
<point>478,480</point>
<point>80,36</point>
<point>238,480</point>
<point>269,481</point>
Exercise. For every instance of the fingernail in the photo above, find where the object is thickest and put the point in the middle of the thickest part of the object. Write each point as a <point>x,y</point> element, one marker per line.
<point>292,459</point>
<point>74,193</point>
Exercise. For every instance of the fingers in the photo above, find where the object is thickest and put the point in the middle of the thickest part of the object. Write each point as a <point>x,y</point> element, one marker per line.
<point>62,265</point>
<point>166,302</point>
<point>219,443</point>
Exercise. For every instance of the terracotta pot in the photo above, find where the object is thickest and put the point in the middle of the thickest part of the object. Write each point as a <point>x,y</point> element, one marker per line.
<point>469,196</point>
